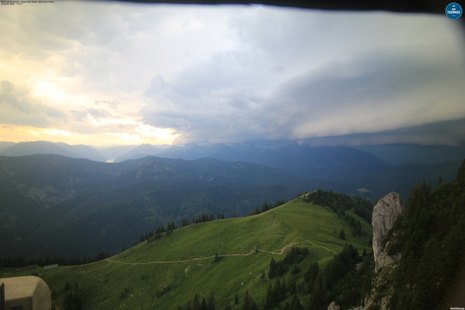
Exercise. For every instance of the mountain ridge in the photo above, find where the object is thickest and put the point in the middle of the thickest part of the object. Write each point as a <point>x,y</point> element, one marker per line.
<point>356,170</point>
<point>41,192</point>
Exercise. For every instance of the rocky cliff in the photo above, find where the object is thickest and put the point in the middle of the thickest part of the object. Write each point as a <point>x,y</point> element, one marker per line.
<point>419,259</point>
<point>385,213</point>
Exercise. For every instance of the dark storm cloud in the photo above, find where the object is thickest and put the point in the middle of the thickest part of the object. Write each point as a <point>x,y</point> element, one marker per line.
<point>300,75</point>
<point>373,92</point>
<point>450,132</point>
<point>216,96</point>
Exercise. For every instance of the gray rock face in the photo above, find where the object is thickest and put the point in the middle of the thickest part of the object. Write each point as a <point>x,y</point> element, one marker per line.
<point>333,306</point>
<point>385,213</point>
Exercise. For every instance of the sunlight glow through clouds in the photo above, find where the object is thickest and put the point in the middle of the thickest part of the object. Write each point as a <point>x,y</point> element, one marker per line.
<point>48,91</point>
<point>142,134</point>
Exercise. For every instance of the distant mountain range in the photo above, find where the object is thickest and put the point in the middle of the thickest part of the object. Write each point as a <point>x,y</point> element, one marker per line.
<point>259,151</point>
<point>55,205</point>
<point>58,202</point>
<point>43,147</point>
<point>370,170</point>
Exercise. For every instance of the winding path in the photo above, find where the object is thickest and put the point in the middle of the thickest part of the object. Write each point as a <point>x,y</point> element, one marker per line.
<point>202,258</point>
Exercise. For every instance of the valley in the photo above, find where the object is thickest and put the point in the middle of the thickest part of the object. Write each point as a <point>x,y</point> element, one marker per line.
<point>101,207</point>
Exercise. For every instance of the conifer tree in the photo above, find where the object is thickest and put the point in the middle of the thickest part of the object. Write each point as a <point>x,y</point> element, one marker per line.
<point>461,175</point>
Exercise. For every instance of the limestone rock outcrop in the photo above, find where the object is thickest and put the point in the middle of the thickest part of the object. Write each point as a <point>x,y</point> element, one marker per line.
<point>385,213</point>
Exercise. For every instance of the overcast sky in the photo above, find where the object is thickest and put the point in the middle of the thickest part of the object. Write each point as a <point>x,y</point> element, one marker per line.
<point>112,74</point>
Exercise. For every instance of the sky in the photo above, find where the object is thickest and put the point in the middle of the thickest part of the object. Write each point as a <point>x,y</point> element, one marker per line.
<point>126,74</point>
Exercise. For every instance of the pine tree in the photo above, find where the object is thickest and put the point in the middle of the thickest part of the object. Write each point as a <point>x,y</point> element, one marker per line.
<point>311,275</point>
<point>270,301</point>
<point>203,304</point>
<point>296,304</point>
<point>318,298</point>
<point>461,175</point>
<point>272,270</point>
<point>211,302</point>
<point>249,303</point>
<point>196,303</point>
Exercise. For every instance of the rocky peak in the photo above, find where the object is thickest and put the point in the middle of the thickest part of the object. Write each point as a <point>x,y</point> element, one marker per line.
<point>385,214</point>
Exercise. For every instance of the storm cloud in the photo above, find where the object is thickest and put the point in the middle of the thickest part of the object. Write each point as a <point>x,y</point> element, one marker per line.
<point>377,90</point>
<point>118,73</point>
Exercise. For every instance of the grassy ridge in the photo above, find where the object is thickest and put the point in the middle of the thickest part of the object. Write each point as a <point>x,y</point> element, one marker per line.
<point>168,272</point>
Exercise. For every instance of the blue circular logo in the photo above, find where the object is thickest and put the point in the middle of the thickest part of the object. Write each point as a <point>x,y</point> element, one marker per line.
<point>454,10</point>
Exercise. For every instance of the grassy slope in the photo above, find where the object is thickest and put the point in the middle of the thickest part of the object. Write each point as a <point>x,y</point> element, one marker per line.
<point>148,276</point>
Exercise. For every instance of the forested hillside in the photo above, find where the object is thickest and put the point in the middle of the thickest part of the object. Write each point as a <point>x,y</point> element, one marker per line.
<point>419,249</point>
<point>431,241</point>
<point>54,205</point>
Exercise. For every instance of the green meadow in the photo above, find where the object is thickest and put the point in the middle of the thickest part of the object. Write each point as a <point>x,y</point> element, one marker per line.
<point>220,258</point>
